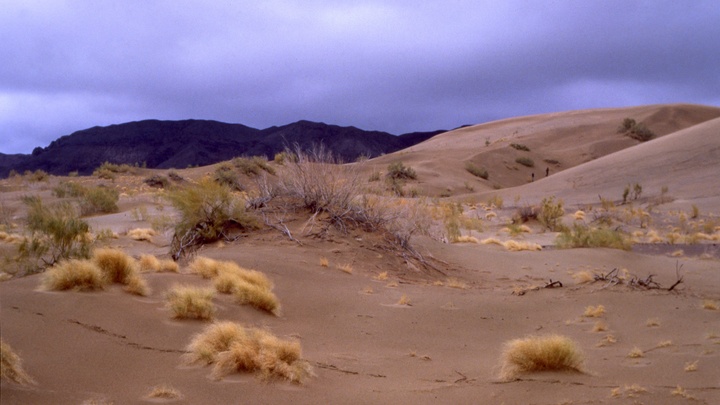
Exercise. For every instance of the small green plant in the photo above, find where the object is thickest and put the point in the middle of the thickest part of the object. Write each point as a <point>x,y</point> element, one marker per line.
<point>99,200</point>
<point>520,146</point>
<point>208,210</point>
<point>57,232</point>
<point>551,212</point>
<point>525,161</point>
<point>225,175</point>
<point>476,171</point>
<point>583,236</point>
<point>399,171</point>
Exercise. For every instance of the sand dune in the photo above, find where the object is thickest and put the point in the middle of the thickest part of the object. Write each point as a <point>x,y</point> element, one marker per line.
<point>378,327</point>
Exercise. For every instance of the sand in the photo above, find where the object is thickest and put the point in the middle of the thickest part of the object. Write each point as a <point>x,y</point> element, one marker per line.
<point>444,344</point>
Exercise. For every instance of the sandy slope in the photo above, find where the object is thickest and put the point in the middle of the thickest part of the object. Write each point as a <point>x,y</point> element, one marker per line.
<point>445,347</point>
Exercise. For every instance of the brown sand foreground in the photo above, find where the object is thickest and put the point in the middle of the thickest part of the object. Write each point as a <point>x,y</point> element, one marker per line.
<point>385,330</point>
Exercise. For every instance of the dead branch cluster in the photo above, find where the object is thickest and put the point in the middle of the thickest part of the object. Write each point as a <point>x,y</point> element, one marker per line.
<point>613,278</point>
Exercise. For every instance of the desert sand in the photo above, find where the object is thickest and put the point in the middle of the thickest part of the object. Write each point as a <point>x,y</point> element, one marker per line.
<point>388,329</point>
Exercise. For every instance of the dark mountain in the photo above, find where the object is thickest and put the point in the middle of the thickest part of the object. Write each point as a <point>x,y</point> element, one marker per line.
<point>167,144</point>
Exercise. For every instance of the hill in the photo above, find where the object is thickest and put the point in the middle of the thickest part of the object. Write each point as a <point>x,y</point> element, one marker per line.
<point>179,144</point>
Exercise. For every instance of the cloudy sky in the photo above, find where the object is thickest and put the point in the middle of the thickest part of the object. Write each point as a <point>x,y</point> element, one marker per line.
<point>396,66</point>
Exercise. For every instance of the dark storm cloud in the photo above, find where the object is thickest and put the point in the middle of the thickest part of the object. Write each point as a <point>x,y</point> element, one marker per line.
<point>397,66</point>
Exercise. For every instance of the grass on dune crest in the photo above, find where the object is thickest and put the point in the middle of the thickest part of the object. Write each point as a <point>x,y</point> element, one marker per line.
<point>11,365</point>
<point>540,353</point>
<point>232,348</point>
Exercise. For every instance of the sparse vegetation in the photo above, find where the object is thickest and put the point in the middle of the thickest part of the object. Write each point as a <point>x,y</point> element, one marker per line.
<point>157,181</point>
<point>11,365</point>
<point>540,353</point>
<point>583,236</point>
<point>636,130</point>
<point>189,302</point>
<point>399,171</point>
<point>550,213</point>
<point>164,392</point>
<point>208,211</point>
<point>99,200</point>
<point>594,312</point>
<point>80,275</point>
<point>230,347</point>
<point>118,267</point>
<point>477,171</point>
<point>520,146</point>
<point>253,166</point>
<point>525,161</point>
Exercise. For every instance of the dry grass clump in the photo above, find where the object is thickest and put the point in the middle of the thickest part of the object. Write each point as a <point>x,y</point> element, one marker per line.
<point>636,353</point>
<point>148,263</point>
<point>453,282</point>
<point>512,245</point>
<point>466,239</point>
<point>141,234</point>
<point>710,305</point>
<point>188,302</point>
<point>118,267</point>
<point>347,268</point>
<point>164,392</point>
<point>691,366</point>
<point>404,300</point>
<point>594,312</point>
<point>652,322</point>
<point>579,215</point>
<point>11,365</point>
<point>324,262</point>
<point>248,286</point>
<point>382,276</point>
<point>681,392</point>
<point>74,274</point>
<point>583,277</point>
<point>607,341</point>
<point>600,326</point>
<point>540,353</point>
<point>233,348</point>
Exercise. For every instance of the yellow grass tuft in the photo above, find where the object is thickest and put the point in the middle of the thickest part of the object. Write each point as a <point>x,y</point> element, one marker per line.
<point>583,277</point>
<point>710,305</point>
<point>382,276</point>
<point>491,241</point>
<point>11,365</point>
<point>665,343</point>
<point>118,267</point>
<point>594,312</point>
<point>205,267</point>
<point>404,300</point>
<point>515,246</point>
<point>600,326</point>
<point>607,341</point>
<point>324,262</point>
<point>257,296</point>
<point>540,353</point>
<point>636,353</point>
<point>148,263</point>
<point>490,215</point>
<point>466,239</point>
<point>453,282</point>
<point>652,322</point>
<point>579,215</point>
<point>233,348</point>
<point>82,275</point>
<point>681,392</point>
<point>141,234</point>
<point>347,268</point>
<point>164,392</point>
<point>691,366</point>
<point>678,253</point>
<point>188,302</point>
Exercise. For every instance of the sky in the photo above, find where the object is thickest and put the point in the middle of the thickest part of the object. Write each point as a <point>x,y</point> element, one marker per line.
<point>396,66</point>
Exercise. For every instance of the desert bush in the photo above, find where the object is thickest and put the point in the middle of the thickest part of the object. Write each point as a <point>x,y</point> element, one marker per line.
<point>118,267</point>
<point>626,125</point>
<point>525,213</point>
<point>157,181</point>
<point>232,348</point>
<point>635,130</point>
<point>68,189</point>
<point>208,211</point>
<point>11,365</point>
<point>552,161</point>
<point>141,234</point>
<point>540,353</point>
<point>520,146</point>
<point>374,176</point>
<point>226,176</point>
<point>551,212</point>
<point>525,161</point>
<point>188,302</point>
<point>252,166</point>
<point>57,232</point>
<point>108,170</point>
<point>99,200</point>
<point>81,275</point>
<point>151,263</point>
<point>399,171</point>
<point>37,176</point>
<point>584,236</point>
<point>476,171</point>
<point>174,176</point>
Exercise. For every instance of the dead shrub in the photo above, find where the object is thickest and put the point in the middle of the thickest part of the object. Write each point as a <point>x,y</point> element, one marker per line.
<point>232,348</point>
<point>540,353</point>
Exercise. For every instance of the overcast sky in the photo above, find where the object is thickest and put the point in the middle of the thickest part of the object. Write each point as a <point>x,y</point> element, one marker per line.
<point>396,66</point>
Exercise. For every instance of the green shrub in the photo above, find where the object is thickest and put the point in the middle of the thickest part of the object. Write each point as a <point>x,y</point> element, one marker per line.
<point>550,213</point>
<point>635,130</point>
<point>208,210</point>
<point>476,171</point>
<point>226,176</point>
<point>520,146</point>
<point>525,161</point>
<point>252,166</point>
<point>68,189</point>
<point>399,171</point>
<point>584,236</point>
<point>99,200</point>
<point>57,232</point>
